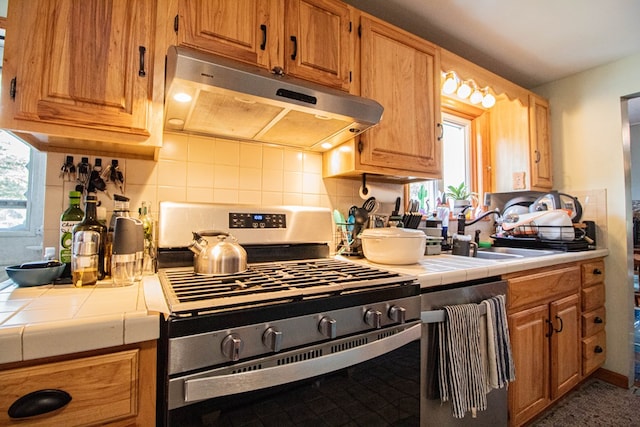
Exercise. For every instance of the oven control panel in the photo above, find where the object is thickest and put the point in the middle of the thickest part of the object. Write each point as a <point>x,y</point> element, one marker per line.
<point>257,220</point>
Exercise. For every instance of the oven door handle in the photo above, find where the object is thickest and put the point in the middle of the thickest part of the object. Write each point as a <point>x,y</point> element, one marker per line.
<point>224,385</point>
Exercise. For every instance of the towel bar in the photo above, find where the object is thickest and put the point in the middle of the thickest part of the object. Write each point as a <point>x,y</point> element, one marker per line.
<point>437,316</point>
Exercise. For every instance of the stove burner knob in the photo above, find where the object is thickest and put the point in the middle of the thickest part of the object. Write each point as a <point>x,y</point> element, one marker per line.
<point>328,327</point>
<point>373,318</point>
<point>397,314</point>
<point>272,339</point>
<point>231,347</point>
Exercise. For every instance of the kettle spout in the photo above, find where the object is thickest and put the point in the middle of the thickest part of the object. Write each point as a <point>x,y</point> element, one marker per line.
<point>198,245</point>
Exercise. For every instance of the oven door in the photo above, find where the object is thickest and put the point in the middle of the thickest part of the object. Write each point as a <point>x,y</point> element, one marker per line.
<point>371,376</point>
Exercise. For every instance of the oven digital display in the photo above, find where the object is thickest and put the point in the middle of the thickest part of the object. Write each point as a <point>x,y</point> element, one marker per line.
<point>257,220</point>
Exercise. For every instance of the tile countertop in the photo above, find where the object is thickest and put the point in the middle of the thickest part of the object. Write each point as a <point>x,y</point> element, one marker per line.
<point>436,270</point>
<point>53,320</point>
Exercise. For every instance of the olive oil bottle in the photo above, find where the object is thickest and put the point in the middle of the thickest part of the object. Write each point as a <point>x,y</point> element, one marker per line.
<point>89,239</point>
<point>69,218</point>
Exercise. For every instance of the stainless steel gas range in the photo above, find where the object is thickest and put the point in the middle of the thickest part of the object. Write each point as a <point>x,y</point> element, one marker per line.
<point>326,336</point>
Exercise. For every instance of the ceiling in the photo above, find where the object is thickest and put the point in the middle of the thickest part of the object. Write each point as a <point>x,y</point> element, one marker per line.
<point>528,42</point>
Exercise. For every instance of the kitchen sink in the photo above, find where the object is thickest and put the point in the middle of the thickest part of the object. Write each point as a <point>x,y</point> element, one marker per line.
<point>500,253</point>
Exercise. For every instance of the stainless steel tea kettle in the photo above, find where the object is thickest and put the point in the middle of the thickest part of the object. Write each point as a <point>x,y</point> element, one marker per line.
<point>224,257</point>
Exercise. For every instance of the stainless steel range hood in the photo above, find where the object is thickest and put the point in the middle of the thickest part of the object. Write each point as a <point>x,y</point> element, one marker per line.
<point>225,98</point>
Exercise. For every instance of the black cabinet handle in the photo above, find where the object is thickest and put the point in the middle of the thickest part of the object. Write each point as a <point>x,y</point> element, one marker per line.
<point>597,319</point>
<point>12,88</point>
<point>550,328</point>
<point>439,125</point>
<point>295,47</point>
<point>142,51</point>
<point>38,403</point>
<point>263,45</point>
<point>598,349</point>
<point>561,324</point>
<point>597,271</point>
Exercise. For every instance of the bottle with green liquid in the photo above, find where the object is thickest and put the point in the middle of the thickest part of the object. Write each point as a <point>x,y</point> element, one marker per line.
<point>69,218</point>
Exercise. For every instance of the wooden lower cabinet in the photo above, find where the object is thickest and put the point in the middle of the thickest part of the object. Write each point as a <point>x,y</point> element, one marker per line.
<point>593,316</point>
<point>544,323</point>
<point>115,388</point>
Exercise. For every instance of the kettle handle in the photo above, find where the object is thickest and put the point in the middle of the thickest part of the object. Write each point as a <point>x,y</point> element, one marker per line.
<point>209,233</point>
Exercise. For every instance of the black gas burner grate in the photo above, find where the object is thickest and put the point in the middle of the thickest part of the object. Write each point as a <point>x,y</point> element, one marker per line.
<point>270,283</point>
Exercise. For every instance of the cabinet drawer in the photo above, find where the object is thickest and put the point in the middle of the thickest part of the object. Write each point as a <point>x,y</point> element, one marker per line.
<point>593,321</point>
<point>592,273</point>
<point>593,297</point>
<point>593,352</point>
<point>102,388</point>
<point>543,287</point>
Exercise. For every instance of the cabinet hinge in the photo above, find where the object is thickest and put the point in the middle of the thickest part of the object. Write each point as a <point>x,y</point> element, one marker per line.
<point>360,146</point>
<point>12,88</point>
<point>176,21</point>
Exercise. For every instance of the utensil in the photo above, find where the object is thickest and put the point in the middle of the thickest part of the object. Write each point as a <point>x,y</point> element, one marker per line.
<point>371,205</point>
<point>224,257</point>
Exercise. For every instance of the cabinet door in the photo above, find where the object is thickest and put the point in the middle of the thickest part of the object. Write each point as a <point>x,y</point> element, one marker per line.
<point>247,30</point>
<point>87,64</point>
<point>540,144</point>
<point>401,72</point>
<point>529,393</point>
<point>565,345</point>
<point>317,35</point>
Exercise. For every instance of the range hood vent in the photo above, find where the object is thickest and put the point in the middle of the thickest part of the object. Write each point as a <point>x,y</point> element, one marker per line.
<point>224,98</point>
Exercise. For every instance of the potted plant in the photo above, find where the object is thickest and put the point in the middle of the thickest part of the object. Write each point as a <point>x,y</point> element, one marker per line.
<point>461,196</point>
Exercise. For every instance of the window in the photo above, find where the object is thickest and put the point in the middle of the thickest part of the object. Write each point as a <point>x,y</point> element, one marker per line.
<point>22,189</point>
<point>456,163</point>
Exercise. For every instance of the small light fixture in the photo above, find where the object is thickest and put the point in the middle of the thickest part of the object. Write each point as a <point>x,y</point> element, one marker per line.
<point>464,90</point>
<point>476,94</point>
<point>450,83</point>
<point>182,97</point>
<point>488,100</point>
<point>326,145</point>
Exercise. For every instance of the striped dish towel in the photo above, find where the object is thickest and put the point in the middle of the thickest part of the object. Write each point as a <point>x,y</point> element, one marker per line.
<point>500,368</point>
<point>461,368</point>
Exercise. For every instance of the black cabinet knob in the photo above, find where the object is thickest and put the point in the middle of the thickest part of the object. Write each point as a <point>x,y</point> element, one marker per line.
<point>597,319</point>
<point>598,349</point>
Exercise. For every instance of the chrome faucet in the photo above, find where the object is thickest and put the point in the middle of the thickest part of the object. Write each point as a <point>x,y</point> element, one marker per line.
<point>462,223</point>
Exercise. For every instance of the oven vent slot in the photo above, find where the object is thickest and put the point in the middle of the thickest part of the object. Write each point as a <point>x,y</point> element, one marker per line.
<point>300,357</point>
<point>247,369</point>
<point>387,334</point>
<point>349,344</point>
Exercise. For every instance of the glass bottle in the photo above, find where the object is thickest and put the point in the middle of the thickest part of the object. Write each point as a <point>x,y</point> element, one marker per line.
<point>89,237</point>
<point>69,218</point>
<point>120,209</point>
<point>149,226</point>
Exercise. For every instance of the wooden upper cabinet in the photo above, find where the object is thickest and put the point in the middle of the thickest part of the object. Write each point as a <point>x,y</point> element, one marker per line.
<point>402,72</point>
<point>540,144</point>
<point>246,30</point>
<point>309,39</point>
<point>317,38</point>
<point>86,64</point>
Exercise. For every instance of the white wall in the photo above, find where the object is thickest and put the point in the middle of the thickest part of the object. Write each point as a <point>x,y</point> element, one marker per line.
<point>588,153</point>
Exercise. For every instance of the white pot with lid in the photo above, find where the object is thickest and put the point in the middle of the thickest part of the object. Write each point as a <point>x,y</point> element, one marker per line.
<point>396,246</point>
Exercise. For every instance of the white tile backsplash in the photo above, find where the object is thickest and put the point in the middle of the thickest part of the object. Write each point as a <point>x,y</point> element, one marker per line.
<point>200,169</point>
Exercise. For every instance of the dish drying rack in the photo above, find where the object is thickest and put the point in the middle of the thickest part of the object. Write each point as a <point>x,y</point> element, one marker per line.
<point>531,236</point>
